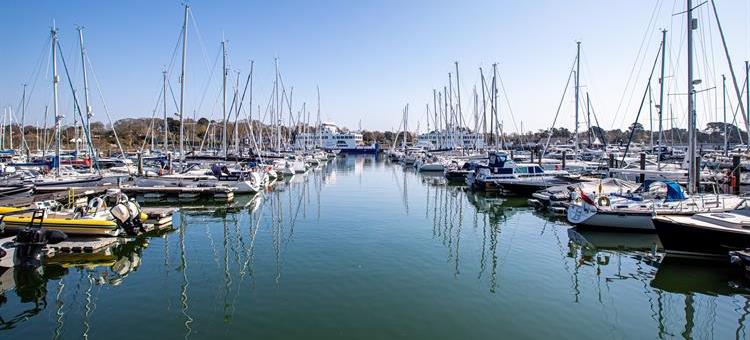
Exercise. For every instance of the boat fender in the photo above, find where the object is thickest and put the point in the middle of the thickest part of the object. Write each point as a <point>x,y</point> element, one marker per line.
<point>95,205</point>
<point>603,201</point>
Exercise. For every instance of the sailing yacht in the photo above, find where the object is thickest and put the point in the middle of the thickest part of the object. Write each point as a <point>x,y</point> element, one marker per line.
<point>635,210</point>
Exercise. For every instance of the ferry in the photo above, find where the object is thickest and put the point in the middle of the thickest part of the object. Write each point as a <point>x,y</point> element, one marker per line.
<point>332,138</point>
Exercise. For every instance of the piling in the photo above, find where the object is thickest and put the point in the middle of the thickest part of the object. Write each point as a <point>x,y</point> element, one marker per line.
<point>169,161</point>
<point>140,164</point>
<point>735,183</point>
<point>539,157</point>
<point>564,154</point>
<point>642,177</point>
<point>697,165</point>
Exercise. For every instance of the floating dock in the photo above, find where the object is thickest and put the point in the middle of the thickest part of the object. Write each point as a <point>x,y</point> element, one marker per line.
<point>158,218</point>
<point>178,194</point>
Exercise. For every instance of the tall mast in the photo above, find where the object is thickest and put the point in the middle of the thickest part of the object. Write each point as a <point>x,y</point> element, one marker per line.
<point>661,84</point>
<point>747,96</point>
<point>460,117</point>
<point>724,100</point>
<point>89,112</point>
<point>650,118</point>
<point>58,117</point>
<point>320,125</point>
<point>578,84</point>
<point>588,117</point>
<point>182,83</point>
<point>236,130</point>
<point>435,108</point>
<point>24,143</point>
<point>224,98</point>
<point>692,173</point>
<point>164,96</point>
<point>484,109</point>
<point>278,104</point>
<point>494,97</point>
<point>731,69</point>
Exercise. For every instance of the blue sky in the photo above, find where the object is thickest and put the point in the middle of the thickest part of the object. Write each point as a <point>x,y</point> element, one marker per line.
<point>370,58</point>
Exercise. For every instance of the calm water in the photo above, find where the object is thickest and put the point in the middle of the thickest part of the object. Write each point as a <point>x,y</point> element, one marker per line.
<point>362,249</point>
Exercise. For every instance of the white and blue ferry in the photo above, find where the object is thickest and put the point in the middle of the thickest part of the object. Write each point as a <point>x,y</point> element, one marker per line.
<point>332,138</point>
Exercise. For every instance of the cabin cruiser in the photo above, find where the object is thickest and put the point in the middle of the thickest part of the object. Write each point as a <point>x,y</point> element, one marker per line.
<point>635,210</point>
<point>430,163</point>
<point>242,181</point>
<point>503,175</point>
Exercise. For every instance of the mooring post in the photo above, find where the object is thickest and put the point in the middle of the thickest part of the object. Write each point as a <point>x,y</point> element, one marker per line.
<point>564,154</point>
<point>140,164</point>
<point>735,175</point>
<point>697,166</point>
<point>642,177</point>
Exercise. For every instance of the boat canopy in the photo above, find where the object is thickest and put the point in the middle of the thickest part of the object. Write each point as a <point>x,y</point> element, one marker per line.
<point>674,190</point>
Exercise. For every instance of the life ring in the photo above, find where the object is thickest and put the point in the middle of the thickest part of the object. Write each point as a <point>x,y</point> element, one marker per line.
<point>603,201</point>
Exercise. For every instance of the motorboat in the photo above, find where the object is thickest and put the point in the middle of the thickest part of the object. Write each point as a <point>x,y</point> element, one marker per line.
<point>504,175</point>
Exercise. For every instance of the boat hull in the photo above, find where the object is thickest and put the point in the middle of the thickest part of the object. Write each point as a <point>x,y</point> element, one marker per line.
<point>686,240</point>
<point>600,219</point>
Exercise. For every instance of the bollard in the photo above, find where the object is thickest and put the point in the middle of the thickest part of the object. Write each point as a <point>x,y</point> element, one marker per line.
<point>642,177</point>
<point>735,183</point>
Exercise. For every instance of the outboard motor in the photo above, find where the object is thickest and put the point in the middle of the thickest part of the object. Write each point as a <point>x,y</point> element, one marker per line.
<point>128,217</point>
<point>30,242</point>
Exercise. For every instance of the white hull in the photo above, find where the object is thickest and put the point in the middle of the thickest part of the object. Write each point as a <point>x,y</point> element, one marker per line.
<point>579,215</point>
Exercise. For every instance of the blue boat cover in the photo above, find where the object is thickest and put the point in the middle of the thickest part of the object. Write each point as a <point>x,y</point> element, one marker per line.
<point>674,190</point>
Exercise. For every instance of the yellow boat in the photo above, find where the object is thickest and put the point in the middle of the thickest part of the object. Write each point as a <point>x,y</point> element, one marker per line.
<point>52,221</point>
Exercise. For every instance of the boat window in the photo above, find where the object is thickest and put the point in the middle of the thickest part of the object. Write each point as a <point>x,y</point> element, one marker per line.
<point>521,170</point>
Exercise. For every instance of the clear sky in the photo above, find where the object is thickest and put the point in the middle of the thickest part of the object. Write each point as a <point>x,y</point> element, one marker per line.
<point>370,58</point>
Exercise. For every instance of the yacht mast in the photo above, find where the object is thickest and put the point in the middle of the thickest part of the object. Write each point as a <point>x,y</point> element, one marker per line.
<point>692,173</point>
<point>661,84</point>
<point>724,99</point>
<point>494,98</point>
<point>224,98</point>
<point>578,84</point>
<point>89,112</point>
<point>24,143</point>
<point>320,125</point>
<point>182,83</point>
<point>277,109</point>
<point>164,97</point>
<point>58,117</point>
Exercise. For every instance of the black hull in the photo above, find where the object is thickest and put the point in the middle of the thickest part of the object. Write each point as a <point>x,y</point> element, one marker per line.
<point>690,240</point>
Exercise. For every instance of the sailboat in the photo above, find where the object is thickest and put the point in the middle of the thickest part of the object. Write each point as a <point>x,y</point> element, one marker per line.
<point>636,210</point>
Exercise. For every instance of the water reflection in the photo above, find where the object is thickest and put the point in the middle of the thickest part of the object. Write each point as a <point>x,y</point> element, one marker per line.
<point>109,266</point>
<point>447,209</point>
